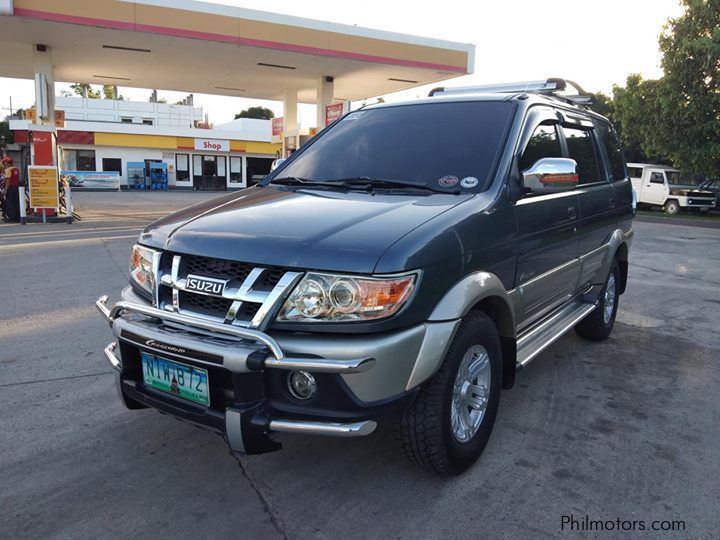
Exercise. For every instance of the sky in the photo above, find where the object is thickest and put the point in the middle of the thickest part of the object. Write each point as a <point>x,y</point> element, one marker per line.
<point>596,44</point>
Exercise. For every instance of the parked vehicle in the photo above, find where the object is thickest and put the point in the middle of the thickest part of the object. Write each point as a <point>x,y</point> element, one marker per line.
<point>712,186</point>
<point>406,262</point>
<point>658,185</point>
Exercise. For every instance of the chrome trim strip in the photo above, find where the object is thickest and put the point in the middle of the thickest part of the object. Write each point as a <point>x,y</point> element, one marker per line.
<point>539,198</point>
<point>335,429</point>
<point>110,355</point>
<point>272,301</point>
<point>323,365</point>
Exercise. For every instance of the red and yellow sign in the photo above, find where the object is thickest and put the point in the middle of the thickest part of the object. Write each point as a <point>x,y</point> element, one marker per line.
<point>43,183</point>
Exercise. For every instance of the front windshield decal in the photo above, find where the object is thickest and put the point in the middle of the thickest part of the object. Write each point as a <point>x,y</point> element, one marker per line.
<point>354,116</point>
<point>448,180</point>
<point>469,182</point>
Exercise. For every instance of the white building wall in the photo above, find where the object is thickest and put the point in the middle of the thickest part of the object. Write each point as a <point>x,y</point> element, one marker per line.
<point>109,110</point>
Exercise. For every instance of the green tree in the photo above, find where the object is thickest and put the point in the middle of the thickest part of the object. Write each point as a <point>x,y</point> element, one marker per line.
<point>690,97</point>
<point>639,119</point>
<point>256,112</point>
<point>81,88</point>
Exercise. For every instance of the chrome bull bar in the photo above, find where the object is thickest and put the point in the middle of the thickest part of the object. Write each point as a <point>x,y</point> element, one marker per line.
<point>277,360</point>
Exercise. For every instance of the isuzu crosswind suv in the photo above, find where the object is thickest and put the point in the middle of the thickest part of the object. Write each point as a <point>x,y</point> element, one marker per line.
<point>404,264</point>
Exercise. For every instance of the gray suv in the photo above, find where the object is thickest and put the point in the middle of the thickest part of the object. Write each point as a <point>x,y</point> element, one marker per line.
<point>404,264</point>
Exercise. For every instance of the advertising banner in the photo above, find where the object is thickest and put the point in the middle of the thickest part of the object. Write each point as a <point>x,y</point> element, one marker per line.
<point>277,126</point>
<point>333,112</point>
<point>43,184</point>
<point>93,179</point>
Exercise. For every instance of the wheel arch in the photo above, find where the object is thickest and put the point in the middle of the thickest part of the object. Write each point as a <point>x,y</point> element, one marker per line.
<point>483,291</point>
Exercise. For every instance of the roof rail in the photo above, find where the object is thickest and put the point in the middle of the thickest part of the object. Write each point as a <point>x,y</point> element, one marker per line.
<point>548,87</point>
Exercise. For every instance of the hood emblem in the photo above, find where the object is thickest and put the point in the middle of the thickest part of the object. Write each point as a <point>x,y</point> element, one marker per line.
<point>205,285</point>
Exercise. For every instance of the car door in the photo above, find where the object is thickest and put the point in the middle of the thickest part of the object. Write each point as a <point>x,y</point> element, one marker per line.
<point>547,258</point>
<point>655,190</point>
<point>596,199</point>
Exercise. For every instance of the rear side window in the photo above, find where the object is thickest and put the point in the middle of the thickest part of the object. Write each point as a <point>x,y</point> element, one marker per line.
<point>616,160</point>
<point>635,172</point>
<point>544,142</point>
<point>581,148</point>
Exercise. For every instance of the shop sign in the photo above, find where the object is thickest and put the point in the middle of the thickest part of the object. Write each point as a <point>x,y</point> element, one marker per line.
<point>92,179</point>
<point>333,112</point>
<point>43,183</point>
<point>212,145</point>
<point>277,126</point>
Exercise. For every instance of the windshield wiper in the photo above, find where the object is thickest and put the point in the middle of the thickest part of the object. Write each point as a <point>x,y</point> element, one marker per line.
<point>299,181</point>
<point>370,183</point>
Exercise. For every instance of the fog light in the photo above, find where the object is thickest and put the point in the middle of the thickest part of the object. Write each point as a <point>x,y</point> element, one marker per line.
<point>302,385</point>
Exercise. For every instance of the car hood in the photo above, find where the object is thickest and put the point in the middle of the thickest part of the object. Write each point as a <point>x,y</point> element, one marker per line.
<point>298,227</point>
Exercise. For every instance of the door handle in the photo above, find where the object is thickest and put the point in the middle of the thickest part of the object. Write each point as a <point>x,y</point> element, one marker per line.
<point>572,214</point>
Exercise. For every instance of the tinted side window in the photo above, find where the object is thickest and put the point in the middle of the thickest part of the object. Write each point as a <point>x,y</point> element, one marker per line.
<point>582,149</point>
<point>616,160</point>
<point>635,172</point>
<point>544,142</point>
<point>657,178</point>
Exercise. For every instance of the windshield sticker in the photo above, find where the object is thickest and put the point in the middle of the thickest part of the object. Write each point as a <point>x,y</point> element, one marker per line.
<point>448,181</point>
<point>469,182</point>
<point>354,116</point>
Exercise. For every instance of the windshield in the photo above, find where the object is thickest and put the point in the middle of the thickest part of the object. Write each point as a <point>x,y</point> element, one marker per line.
<point>678,179</point>
<point>447,145</point>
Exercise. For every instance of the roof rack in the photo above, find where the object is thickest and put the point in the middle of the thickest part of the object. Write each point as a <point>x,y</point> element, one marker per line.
<point>549,87</point>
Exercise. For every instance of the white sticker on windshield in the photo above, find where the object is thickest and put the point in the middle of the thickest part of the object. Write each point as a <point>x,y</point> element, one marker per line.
<point>469,182</point>
<point>354,116</point>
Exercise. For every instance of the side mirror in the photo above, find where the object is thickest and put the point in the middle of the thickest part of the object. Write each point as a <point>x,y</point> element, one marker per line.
<point>276,164</point>
<point>551,175</point>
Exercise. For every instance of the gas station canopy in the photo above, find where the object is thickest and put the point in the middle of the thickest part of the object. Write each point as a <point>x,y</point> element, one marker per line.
<point>215,49</point>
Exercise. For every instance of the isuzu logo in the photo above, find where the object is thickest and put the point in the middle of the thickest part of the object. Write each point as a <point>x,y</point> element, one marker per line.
<point>205,285</point>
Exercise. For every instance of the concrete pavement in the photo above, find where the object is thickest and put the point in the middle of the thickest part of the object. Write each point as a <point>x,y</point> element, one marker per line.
<point>628,428</point>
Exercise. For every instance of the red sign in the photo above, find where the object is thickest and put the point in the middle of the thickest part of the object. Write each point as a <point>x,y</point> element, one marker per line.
<point>333,112</point>
<point>277,126</point>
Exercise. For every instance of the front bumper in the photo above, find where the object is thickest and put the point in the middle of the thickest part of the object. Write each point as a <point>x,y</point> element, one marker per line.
<point>362,378</point>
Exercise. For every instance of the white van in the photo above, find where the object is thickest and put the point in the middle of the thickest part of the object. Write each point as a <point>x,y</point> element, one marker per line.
<point>659,185</point>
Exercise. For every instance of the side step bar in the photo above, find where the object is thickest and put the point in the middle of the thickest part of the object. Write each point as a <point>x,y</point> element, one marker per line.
<point>539,337</point>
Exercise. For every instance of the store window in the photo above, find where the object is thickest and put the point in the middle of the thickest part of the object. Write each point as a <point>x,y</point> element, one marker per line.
<point>257,169</point>
<point>79,160</point>
<point>112,164</point>
<point>209,172</point>
<point>182,167</point>
<point>235,169</point>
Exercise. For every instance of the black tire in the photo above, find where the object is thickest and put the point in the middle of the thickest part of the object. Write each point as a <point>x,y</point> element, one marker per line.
<point>426,432</point>
<point>672,207</point>
<point>595,326</point>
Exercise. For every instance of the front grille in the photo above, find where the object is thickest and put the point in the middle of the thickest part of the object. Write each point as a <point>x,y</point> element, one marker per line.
<point>216,268</point>
<point>213,306</point>
<point>238,276</point>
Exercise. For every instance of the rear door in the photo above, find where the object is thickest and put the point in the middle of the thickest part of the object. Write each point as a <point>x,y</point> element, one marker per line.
<point>596,199</point>
<point>548,265</point>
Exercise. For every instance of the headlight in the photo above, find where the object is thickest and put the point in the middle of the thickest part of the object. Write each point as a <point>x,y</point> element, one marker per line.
<point>337,298</point>
<point>142,263</point>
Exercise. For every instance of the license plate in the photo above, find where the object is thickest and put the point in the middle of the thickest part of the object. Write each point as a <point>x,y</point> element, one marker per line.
<point>187,382</point>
